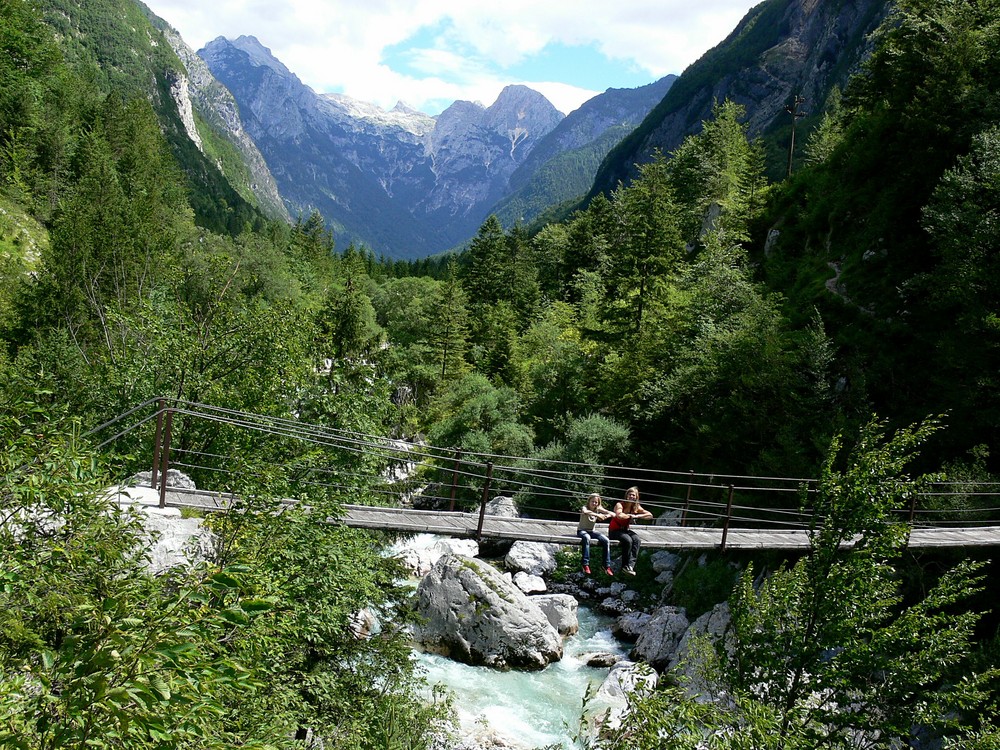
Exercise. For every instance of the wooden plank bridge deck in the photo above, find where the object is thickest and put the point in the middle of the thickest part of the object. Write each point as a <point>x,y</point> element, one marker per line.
<point>465,525</point>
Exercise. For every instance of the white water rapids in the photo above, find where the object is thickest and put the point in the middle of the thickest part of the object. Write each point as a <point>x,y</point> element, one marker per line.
<point>527,709</point>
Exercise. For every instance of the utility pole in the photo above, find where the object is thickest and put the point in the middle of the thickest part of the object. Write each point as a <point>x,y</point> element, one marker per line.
<point>793,110</point>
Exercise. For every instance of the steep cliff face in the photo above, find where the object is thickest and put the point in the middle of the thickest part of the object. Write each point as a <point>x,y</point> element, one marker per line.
<point>781,49</point>
<point>200,91</point>
<point>475,150</point>
<point>311,146</point>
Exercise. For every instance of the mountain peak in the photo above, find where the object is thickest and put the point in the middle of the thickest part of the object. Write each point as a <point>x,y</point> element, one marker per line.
<point>257,53</point>
<point>522,110</point>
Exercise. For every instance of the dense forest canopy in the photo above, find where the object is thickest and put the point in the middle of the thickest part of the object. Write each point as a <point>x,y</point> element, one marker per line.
<point>698,317</point>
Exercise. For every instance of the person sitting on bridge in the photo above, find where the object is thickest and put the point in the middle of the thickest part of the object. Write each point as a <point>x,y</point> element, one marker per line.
<point>590,514</point>
<point>625,512</point>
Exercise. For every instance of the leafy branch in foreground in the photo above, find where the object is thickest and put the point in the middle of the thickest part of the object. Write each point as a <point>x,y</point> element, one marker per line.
<point>250,650</point>
<point>94,650</point>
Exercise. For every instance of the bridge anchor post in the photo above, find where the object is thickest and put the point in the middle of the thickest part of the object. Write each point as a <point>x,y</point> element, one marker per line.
<point>156,445</point>
<point>687,500</point>
<point>482,504</point>
<point>165,457</point>
<point>729,515</point>
<point>454,479</point>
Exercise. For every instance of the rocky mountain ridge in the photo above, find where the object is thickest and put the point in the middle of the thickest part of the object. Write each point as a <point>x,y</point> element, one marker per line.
<point>399,181</point>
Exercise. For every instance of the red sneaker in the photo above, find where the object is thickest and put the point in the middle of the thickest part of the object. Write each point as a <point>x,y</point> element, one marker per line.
<point>610,572</point>
<point>586,569</point>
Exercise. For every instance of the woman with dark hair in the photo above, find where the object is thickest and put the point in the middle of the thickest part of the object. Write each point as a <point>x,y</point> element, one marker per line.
<point>625,512</point>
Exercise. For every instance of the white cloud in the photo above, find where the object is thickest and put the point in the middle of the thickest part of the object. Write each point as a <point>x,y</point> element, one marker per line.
<point>339,45</point>
<point>564,97</point>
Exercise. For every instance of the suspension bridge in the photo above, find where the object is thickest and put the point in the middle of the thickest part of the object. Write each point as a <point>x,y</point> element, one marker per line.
<point>391,485</point>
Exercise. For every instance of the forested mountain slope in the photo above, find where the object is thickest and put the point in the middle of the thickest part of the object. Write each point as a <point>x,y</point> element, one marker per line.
<point>891,234</point>
<point>118,39</point>
<point>781,49</point>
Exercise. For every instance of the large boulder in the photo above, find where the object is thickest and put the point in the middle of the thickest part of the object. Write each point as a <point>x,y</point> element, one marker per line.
<point>535,558</point>
<point>505,507</point>
<point>713,626</point>
<point>661,636</point>
<point>502,506</point>
<point>561,610</point>
<point>472,613</point>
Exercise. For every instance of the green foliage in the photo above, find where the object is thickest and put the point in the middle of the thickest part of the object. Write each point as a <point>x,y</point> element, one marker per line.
<point>426,322</point>
<point>698,588</point>
<point>589,444</point>
<point>552,370</point>
<point>961,219</point>
<point>347,318</point>
<point>645,246</point>
<point>718,178</point>
<point>829,133</point>
<point>828,651</point>
<point>93,650</point>
<point>473,414</point>
<point>320,665</point>
<point>486,275</point>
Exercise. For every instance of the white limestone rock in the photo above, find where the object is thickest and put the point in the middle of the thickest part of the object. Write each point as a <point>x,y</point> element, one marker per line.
<point>536,558</point>
<point>561,611</point>
<point>664,560</point>
<point>473,614</point>
<point>528,583</point>
<point>630,626</point>
<point>502,506</point>
<point>624,679</point>
<point>715,625</point>
<point>172,540</point>
<point>419,553</point>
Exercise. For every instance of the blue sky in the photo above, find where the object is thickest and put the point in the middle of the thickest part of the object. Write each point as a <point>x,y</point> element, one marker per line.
<point>429,53</point>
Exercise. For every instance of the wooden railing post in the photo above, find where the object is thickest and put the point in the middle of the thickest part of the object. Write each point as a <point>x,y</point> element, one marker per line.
<point>454,479</point>
<point>687,500</point>
<point>165,457</point>
<point>482,504</point>
<point>156,445</point>
<point>729,515</point>
<point>913,507</point>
